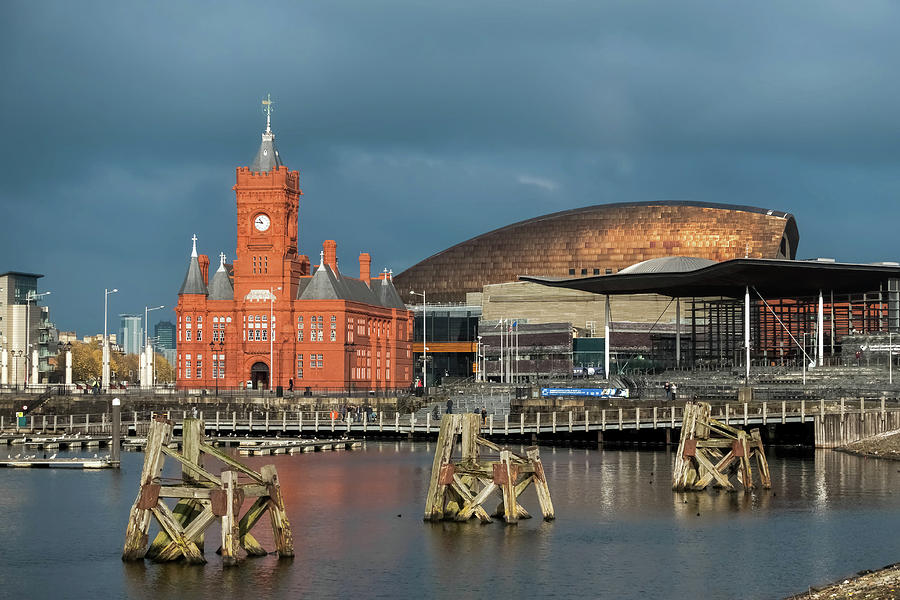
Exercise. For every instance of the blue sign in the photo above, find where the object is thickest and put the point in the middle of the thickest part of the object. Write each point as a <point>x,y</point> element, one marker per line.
<point>592,392</point>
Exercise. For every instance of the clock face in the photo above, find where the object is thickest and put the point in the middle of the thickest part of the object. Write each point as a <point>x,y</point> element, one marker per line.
<point>261,222</point>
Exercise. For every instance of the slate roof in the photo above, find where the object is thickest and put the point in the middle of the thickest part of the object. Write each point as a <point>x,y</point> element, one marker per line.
<point>220,288</point>
<point>325,284</point>
<point>193,279</point>
<point>388,295</point>
<point>267,157</point>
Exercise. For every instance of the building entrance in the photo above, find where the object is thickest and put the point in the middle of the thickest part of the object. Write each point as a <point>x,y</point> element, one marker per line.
<point>259,376</point>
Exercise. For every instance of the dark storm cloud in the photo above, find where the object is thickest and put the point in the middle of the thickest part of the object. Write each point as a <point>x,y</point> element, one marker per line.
<point>419,124</point>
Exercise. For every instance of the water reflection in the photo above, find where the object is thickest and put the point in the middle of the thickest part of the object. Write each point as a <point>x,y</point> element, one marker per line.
<point>357,525</point>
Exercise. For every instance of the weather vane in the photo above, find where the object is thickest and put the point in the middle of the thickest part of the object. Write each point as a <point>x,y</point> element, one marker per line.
<point>267,108</point>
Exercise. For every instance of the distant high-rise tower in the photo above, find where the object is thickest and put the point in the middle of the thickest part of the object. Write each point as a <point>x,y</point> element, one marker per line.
<point>164,332</point>
<point>131,334</point>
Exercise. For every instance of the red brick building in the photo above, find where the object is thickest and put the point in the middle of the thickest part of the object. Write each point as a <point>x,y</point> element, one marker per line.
<point>268,319</point>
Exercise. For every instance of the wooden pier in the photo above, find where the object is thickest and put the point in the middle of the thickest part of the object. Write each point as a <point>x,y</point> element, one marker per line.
<point>711,452</point>
<point>202,498</point>
<point>834,422</point>
<point>74,462</point>
<point>458,489</point>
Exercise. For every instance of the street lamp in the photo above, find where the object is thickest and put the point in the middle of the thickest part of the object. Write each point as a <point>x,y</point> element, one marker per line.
<point>479,374</point>
<point>147,375</point>
<point>424,343</point>
<point>105,370</point>
<point>272,335</point>
<point>148,310</point>
<point>216,364</point>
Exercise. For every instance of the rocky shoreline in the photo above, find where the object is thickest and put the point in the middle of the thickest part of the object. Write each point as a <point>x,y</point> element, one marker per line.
<point>883,584</point>
<point>884,445</point>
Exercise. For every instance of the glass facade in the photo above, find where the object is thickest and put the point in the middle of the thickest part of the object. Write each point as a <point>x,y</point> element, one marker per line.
<point>451,336</point>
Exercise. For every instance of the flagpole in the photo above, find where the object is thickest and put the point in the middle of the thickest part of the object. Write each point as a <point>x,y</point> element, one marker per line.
<point>517,351</point>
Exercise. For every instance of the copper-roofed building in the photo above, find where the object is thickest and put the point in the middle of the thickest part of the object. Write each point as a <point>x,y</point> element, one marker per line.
<point>601,240</point>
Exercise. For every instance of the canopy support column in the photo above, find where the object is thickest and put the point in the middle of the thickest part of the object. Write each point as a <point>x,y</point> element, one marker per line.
<point>606,344</point>
<point>747,332</point>
<point>678,332</point>
<point>820,332</point>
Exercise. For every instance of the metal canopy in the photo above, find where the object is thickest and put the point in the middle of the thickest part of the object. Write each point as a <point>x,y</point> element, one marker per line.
<point>773,278</point>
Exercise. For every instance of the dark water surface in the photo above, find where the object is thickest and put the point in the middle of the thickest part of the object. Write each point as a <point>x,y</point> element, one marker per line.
<point>358,532</point>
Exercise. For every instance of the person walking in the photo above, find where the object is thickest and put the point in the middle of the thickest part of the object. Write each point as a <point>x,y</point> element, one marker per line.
<point>449,406</point>
<point>673,389</point>
<point>483,415</point>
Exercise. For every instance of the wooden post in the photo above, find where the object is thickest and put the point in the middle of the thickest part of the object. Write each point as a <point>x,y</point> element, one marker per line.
<point>570,421</point>
<point>587,421</point>
<point>230,529</point>
<point>139,519</point>
<point>507,485</point>
<point>540,483</point>
<point>440,474</point>
<point>470,427</point>
<point>281,527</point>
<point>554,421</point>
<point>521,423</point>
<point>765,412</point>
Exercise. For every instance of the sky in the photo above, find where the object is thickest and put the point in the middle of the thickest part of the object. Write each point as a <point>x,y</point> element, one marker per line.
<point>416,125</point>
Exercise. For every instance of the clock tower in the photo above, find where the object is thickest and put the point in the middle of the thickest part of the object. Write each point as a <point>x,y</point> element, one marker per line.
<point>268,205</point>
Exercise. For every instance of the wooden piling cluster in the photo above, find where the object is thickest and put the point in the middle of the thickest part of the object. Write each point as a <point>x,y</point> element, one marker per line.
<point>458,489</point>
<point>201,498</point>
<point>712,452</point>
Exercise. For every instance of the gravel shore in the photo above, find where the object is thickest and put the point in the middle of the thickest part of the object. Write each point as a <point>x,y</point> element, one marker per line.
<point>883,584</point>
<point>883,445</point>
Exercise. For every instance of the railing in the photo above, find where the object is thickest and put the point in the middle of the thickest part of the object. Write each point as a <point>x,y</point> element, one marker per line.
<point>170,392</point>
<point>362,422</point>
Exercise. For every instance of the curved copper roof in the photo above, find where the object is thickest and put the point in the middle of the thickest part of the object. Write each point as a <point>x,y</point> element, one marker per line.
<point>594,240</point>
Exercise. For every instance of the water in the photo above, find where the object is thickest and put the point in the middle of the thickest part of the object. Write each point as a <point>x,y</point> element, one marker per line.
<point>620,533</point>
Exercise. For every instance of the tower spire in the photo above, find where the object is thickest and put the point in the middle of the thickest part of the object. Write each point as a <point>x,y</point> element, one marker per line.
<point>194,249</point>
<point>267,157</point>
<point>221,261</point>
<point>267,108</point>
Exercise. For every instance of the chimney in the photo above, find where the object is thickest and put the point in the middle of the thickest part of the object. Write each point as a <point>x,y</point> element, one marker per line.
<point>204,268</point>
<point>365,267</point>
<point>330,248</point>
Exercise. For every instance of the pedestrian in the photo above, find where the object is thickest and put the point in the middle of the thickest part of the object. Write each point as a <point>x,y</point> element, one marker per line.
<point>673,389</point>
<point>449,406</point>
<point>483,415</point>
<point>668,390</point>
<point>291,384</point>
<point>435,413</point>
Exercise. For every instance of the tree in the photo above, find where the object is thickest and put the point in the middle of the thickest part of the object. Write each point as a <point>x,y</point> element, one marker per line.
<point>164,371</point>
<point>86,361</point>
